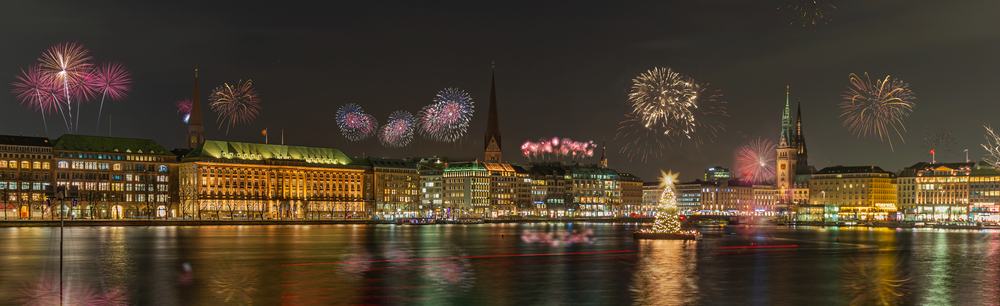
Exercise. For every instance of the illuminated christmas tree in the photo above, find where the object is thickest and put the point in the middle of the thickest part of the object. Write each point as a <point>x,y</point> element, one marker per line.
<point>667,221</point>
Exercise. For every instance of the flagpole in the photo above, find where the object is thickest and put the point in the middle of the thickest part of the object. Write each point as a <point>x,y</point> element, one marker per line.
<point>966,155</point>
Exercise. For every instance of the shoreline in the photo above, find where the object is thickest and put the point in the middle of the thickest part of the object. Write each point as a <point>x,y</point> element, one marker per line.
<point>200,222</point>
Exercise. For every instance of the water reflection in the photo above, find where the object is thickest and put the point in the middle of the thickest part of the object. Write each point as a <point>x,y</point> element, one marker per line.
<point>875,279</point>
<point>235,282</point>
<point>666,273</point>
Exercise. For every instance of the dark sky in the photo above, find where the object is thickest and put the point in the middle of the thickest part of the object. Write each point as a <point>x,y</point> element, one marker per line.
<point>562,68</point>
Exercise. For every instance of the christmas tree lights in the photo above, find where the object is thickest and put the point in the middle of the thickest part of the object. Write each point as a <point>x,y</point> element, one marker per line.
<point>667,221</point>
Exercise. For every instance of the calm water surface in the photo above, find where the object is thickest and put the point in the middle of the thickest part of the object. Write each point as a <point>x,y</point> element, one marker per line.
<point>498,264</point>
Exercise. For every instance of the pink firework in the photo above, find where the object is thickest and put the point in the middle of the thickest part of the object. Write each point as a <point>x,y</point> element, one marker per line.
<point>37,89</point>
<point>558,148</point>
<point>113,81</point>
<point>184,107</point>
<point>756,161</point>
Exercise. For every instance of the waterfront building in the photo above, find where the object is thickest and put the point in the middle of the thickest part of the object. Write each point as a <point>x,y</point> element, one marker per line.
<point>688,196</point>
<point>935,191</point>
<point>765,201</point>
<point>222,179</point>
<point>117,177</point>
<point>503,189</point>
<point>717,174</point>
<point>594,190</point>
<point>431,173</point>
<point>396,189</point>
<point>727,198</point>
<point>984,193</point>
<point>549,190</point>
<point>854,193</point>
<point>467,189</point>
<point>631,195</point>
<point>523,204</point>
<point>25,170</point>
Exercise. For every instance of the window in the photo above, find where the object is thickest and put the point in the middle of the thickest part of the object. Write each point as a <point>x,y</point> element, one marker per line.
<point>36,165</point>
<point>163,168</point>
<point>25,165</point>
<point>116,167</point>
<point>45,165</point>
<point>63,164</point>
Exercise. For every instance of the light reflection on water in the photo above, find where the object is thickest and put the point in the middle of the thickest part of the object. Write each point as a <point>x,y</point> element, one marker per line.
<point>468,264</point>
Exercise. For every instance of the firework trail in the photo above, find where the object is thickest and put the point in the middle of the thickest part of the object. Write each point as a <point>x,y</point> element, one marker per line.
<point>69,64</point>
<point>354,123</point>
<point>36,89</point>
<point>398,131</point>
<point>235,104</point>
<point>447,119</point>
<point>756,161</point>
<point>668,109</point>
<point>184,107</point>
<point>875,108</point>
<point>941,140</point>
<point>113,81</point>
<point>557,147</point>
<point>807,12</point>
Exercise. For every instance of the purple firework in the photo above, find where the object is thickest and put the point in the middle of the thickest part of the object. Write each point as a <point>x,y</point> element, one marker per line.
<point>398,131</point>
<point>448,118</point>
<point>354,123</point>
<point>37,89</point>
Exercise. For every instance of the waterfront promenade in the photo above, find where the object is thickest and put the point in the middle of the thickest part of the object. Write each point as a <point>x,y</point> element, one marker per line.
<point>38,222</point>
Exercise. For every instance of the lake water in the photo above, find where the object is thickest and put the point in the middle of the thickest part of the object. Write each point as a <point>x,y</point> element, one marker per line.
<point>498,264</point>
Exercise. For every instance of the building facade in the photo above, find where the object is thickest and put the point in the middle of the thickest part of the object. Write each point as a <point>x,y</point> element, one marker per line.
<point>935,191</point>
<point>855,193</point>
<point>396,186</point>
<point>631,195</point>
<point>117,177</point>
<point>221,179</point>
<point>25,169</point>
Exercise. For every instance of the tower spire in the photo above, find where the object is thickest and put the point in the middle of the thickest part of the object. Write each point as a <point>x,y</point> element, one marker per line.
<point>196,132</point>
<point>492,143</point>
<point>800,139</point>
<point>786,124</point>
<point>604,156</point>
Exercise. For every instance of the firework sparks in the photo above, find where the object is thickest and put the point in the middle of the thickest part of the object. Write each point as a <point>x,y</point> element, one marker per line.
<point>235,104</point>
<point>564,147</point>
<point>354,123</point>
<point>940,140</point>
<point>448,118</point>
<point>113,81</point>
<point>235,282</point>
<point>69,65</point>
<point>669,109</point>
<point>184,107</point>
<point>756,161</point>
<point>807,12</point>
<point>877,108</point>
<point>36,89</point>
<point>398,131</point>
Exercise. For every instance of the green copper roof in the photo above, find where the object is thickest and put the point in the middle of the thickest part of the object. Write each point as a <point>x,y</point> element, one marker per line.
<point>257,151</point>
<point>109,145</point>
<point>470,166</point>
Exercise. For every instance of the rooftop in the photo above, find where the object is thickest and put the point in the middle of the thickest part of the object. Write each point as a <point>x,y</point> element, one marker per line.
<point>109,145</point>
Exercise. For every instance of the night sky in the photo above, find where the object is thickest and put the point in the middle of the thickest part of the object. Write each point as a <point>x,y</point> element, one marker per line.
<point>562,69</point>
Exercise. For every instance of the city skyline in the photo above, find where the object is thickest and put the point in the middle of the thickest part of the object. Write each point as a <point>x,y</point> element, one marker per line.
<point>539,94</point>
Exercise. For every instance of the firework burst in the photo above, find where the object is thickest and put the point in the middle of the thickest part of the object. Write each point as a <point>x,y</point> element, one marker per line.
<point>398,131</point>
<point>69,65</point>
<point>37,89</point>
<point>669,109</point>
<point>448,118</point>
<point>877,108</point>
<point>992,147</point>
<point>807,12</point>
<point>354,123</point>
<point>184,107</point>
<point>940,140</point>
<point>235,104</point>
<point>113,81</point>
<point>756,161</point>
<point>556,147</point>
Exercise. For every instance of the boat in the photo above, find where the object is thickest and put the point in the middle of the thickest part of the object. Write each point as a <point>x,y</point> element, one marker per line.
<point>415,221</point>
<point>461,221</point>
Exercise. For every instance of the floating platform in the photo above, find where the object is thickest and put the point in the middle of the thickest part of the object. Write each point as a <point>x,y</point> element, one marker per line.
<point>655,236</point>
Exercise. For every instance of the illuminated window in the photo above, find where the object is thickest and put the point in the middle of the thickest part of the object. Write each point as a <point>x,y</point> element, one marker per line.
<point>25,165</point>
<point>13,164</point>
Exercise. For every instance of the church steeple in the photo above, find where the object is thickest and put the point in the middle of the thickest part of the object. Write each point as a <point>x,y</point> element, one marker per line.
<point>196,132</point>
<point>800,140</point>
<point>492,143</point>
<point>786,125</point>
<point>604,156</point>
